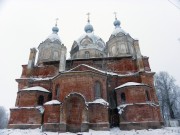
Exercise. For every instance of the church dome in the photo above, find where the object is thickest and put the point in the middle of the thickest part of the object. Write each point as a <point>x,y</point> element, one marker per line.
<point>89,42</point>
<point>117,23</point>
<point>88,28</point>
<point>118,29</point>
<point>50,50</point>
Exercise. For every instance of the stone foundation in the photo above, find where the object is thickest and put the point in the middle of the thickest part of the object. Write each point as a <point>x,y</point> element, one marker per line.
<point>53,127</point>
<point>62,127</point>
<point>24,126</point>
<point>99,126</point>
<point>84,127</point>
<point>140,125</point>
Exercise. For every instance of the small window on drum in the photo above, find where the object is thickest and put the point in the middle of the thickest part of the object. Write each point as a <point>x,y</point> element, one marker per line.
<point>87,55</point>
<point>123,97</point>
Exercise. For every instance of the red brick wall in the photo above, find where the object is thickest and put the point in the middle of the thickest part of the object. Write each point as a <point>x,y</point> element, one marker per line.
<point>138,113</point>
<point>82,82</point>
<point>45,71</point>
<point>52,114</point>
<point>146,63</point>
<point>134,94</point>
<point>121,65</point>
<point>29,98</point>
<point>97,113</point>
<point>25,116</point>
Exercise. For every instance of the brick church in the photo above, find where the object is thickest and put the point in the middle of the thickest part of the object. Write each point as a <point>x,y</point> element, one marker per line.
<point>101,85</point>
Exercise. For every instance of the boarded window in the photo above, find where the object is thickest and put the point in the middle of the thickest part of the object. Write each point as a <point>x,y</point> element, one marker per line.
<point>147,96</point>
<point>57,90</point>
<point>97,90</point>
<point>123,97</point>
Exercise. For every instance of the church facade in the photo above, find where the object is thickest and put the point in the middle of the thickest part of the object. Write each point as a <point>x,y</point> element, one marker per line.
<point>101,85</point>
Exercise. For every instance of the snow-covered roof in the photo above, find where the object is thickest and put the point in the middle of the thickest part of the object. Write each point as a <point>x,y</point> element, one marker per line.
<point>97,42</point>
<point>101,71</point>
<point>99,101</point>
<point>53,37</point>
<point>131,84</point>
<point>40,108</point>
<point>118,30</point>
<point>90,35</point>
<point>53,102</point>
<point>37,78</point>
<point>36,88</point>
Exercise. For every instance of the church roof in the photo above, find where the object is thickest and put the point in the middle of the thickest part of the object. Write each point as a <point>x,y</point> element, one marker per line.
<point>131,84</point>
<point>99,101</point>
<point>54,36</point>
<point>36,88</point>
<point>53,102</point>
<point>77,68</point>
<point>89,40</point>
<point>118,29</point>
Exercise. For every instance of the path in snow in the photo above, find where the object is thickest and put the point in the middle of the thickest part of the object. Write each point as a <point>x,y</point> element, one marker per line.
<point>113,131</point>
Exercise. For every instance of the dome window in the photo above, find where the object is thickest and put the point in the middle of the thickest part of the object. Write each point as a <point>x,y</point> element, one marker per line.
<point>87,55</point>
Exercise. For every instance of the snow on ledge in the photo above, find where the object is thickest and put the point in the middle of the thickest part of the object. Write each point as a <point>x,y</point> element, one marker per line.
<point>36,88</point>
<point>101,71</point>
<point>99,101</point>
<point>53,102</point>
<point>131,84</point>
<point>40,108</point>
<point>121,107</point>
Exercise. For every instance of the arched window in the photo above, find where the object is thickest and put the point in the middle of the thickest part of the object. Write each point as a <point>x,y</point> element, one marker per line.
<point>123,97</point>
<point>147,96</point>
<point>97,90</point>
<point>87,55</point>
<point>40,100</point>
<point>49,96</point>
<point>57,90</point>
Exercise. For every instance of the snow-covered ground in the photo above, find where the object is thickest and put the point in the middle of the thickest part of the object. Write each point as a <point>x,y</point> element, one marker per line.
<point>113,131</point>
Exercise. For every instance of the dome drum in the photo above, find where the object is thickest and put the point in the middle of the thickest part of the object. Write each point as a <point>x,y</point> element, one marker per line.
<point>88,53</point>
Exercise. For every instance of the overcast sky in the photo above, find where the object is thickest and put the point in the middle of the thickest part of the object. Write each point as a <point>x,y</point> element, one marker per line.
<point>26,23</point>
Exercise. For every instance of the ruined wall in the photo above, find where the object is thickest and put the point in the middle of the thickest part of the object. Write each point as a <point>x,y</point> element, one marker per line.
<point>24,118</point>
<point>30,98</point>
<point>82,82</point>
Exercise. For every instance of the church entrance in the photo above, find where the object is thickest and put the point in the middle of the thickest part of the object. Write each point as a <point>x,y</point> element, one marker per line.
<point>74,112</point>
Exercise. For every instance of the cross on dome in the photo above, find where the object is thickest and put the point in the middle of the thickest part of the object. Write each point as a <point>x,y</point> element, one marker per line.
<point>55,29</point>
<point>115,13</point>
<point>116,22</point>
<point>88,14</point>
<point>56,21</point>
<point>88,28</point>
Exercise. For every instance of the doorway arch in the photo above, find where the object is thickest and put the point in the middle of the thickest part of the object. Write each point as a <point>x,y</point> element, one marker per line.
<point>75,110</point>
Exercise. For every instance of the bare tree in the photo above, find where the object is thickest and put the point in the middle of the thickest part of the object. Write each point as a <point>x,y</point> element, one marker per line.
<point>166,92</point>
<point>3,117</point>
<point>176,3</point>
